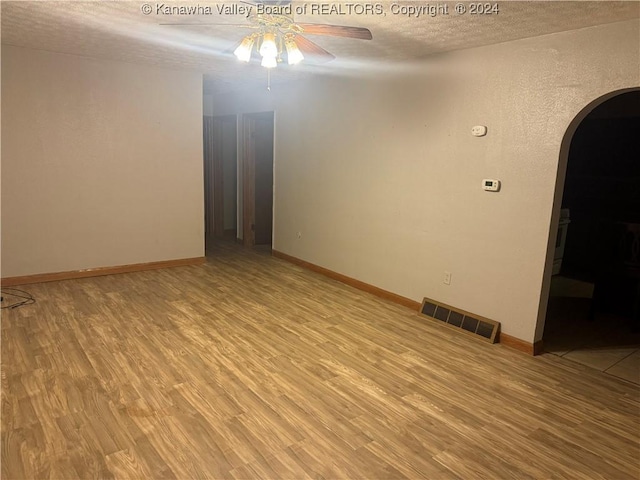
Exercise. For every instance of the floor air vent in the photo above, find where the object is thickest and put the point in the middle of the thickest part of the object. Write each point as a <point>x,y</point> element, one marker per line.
<point>460,320</point>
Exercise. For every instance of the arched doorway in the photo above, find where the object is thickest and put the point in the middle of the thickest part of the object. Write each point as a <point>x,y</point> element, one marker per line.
<point>592,290</point>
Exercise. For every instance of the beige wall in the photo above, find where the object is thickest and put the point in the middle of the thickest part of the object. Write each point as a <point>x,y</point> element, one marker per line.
<point>382,175</point>
<point>101,163</point>
<point>207,104</point>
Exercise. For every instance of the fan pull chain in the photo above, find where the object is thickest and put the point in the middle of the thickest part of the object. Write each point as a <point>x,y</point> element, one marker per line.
<point>269,80</point>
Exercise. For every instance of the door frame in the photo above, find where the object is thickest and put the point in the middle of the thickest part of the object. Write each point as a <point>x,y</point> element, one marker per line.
<point>218,180</point>
<point>556,206</point>
<point>214,171</point>
<point>249,174</point>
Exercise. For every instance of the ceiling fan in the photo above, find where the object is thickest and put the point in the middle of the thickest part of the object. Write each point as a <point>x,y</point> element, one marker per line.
<point>277,36</point>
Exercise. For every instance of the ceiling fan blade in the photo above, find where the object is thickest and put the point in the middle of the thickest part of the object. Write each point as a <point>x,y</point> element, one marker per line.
<point>336,30</point>
<point>313,51</point>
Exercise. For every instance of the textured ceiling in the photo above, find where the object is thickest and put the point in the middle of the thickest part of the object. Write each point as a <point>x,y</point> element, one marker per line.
<point>119,30</point>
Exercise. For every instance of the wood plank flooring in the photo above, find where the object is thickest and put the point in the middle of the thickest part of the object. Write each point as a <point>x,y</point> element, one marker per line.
<point>250,367</point>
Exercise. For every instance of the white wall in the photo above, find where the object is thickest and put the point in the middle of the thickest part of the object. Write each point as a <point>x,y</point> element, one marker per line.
<point>101,163</point>
<point>382,176</point>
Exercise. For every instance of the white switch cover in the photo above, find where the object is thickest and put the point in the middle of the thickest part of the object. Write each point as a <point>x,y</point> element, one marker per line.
<point>491,185</point>
<point>479,131</point>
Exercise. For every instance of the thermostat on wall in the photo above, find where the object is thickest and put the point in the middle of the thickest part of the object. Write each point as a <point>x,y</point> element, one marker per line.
<point>490,185</point>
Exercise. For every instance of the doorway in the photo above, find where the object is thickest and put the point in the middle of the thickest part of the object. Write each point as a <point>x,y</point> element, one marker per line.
<point>220,177</point>
<point>257,170</point>
<point>591,315</point>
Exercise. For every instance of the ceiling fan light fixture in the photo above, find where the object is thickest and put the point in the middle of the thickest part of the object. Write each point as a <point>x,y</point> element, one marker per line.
<point>243,52</point>
<point>268,48</point>
<point>294,55</point>
<point>269,61</point>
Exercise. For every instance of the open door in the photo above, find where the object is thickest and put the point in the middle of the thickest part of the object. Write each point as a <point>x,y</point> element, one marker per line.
<point>220,173</point>
<point>258,179</point>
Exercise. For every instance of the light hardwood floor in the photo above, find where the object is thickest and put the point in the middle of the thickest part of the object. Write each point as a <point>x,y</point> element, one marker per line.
<point>249,367</point>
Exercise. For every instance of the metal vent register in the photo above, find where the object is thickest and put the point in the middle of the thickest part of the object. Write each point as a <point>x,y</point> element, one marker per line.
<point>465,322</point>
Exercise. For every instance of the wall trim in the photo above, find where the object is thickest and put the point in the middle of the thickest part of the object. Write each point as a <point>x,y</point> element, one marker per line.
<point>99,271</point>
<point>378,292</point>
<point>521,345</point>
<point>507,340</point>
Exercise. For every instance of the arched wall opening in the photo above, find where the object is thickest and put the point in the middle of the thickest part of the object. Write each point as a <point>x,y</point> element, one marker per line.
<point>555,232</point>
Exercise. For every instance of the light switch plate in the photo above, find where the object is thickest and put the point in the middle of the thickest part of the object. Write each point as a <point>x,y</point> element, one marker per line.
<point>479,131</point>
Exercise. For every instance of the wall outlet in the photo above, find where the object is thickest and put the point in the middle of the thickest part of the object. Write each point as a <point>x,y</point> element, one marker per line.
<point>447,278</point>
<point>299,235</point>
